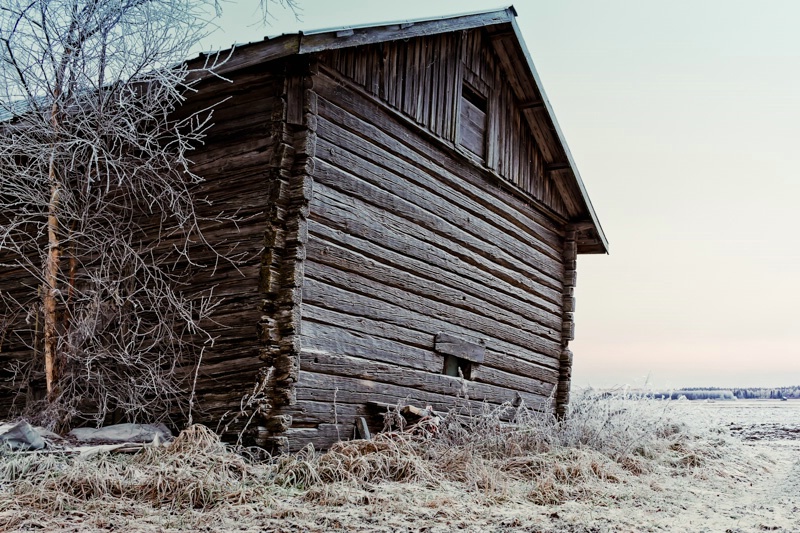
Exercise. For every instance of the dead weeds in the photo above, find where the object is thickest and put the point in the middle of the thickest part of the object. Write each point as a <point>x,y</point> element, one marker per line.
<point>498,456</point>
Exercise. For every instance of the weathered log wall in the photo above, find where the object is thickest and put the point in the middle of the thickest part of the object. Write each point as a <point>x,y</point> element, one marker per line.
<point>410,236</point>
<point>243,144</point>
<point>238,162</point>
<point>20,327</point>
<point>282,268</point>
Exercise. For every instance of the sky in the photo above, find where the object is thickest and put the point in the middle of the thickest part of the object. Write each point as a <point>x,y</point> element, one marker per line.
<point>684,120</point>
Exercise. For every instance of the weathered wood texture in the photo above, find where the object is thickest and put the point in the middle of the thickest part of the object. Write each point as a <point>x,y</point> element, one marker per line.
<point>240,162</point>
<point>235,159</point>
<point>282,267</point>
<point>410,237</point>
<point>20,327</point>
<point>568,321</point>
<point>424,78</point>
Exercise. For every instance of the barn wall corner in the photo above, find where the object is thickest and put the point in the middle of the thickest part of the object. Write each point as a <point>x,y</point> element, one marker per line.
<point>568,323</point>
<point>284,253</point>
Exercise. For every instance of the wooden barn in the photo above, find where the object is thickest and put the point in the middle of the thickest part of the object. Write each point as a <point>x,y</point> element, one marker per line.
<point>414,221</point>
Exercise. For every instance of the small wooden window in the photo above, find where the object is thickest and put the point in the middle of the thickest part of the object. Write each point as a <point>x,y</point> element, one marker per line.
<point>473,121</point>
<point>456,366</point>
<point>460,355</point>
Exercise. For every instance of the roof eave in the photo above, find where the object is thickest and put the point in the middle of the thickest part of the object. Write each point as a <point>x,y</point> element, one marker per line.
<point>562,140</point>
<point>347,36</point>
<point>309,42</point>
<point>507,9</point>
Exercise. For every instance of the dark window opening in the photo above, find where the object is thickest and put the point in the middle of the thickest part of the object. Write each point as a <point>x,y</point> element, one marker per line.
<point>453,364</point>
<point>472,96</point>
<point>473,121</point>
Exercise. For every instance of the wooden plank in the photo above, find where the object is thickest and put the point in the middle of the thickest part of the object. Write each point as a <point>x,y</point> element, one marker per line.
<point>294,99</point>
<point>473,128</point>
<point>392,79</point>
<point>251,55</point>
<point>436,63</point>
<point>424,80</point>
<point>362,36</point>
<point>447,344</point>
<point>408,79</point>
<point>237,155</point>
<point>367,342</point>
<point>307,413</point>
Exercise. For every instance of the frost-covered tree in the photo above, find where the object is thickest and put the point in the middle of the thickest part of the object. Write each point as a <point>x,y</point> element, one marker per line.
<point>96,199</point>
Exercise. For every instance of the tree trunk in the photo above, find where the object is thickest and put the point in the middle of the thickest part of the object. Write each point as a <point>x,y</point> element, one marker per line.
<point>50,288</point>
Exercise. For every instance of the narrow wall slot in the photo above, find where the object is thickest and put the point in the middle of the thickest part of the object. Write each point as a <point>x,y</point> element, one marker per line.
<point>455,366</point>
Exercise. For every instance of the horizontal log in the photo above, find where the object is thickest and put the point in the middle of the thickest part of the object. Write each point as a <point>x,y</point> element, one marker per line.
<point>391,231</point>
<point>334,331</point>
<point>308,413</point>
<point>322,437</point>
<point>341,340</point>
<point>447,344</point>
<point>389,187</point>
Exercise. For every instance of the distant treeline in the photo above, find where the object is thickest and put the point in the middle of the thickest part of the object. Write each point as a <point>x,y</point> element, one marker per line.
<point>715,393</point>
<point>696,394</point>
<point>782,392</point>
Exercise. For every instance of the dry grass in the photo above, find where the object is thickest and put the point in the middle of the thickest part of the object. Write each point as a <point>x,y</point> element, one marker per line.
<point>491,458</point>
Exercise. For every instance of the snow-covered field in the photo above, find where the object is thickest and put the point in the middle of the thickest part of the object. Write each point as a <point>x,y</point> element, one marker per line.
<point>764,497</point>
<point>619,464</point>
<point>750,419</point>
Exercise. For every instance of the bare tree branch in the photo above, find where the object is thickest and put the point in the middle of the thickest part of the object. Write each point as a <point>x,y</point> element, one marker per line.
<point>98,206</point>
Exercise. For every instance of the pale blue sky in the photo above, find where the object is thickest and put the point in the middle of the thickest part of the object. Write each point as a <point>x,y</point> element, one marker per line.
<point>684,119</point>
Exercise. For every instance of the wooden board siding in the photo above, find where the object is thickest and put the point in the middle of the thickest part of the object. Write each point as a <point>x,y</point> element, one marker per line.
<point>423,79</point>
<point>408,238</point>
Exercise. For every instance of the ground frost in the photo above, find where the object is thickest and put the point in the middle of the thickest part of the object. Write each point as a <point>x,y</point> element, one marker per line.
<point>617,464</point>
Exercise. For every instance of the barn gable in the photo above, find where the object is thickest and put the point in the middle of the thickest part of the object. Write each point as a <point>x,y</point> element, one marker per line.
<point>454,85</point>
